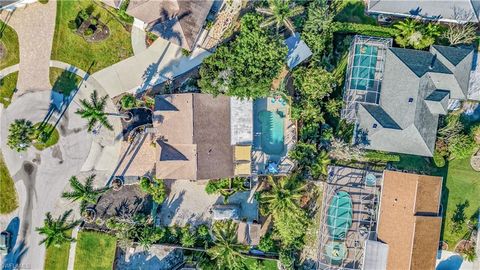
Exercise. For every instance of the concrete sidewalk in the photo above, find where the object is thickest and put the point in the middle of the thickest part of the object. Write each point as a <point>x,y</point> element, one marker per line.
<point>160,62</point>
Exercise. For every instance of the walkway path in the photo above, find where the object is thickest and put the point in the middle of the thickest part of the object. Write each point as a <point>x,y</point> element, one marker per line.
<point>11,69</point>
<point>138,40</point>
<point>73,247</point>
<point>35,25</point>
<point>163,60</point>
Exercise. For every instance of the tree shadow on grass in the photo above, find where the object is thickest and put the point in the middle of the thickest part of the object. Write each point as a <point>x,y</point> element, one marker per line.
<point>66,83</point>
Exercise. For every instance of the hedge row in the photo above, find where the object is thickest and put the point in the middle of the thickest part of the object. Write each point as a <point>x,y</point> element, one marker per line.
<point>364,29</point>
<point>381,156</point>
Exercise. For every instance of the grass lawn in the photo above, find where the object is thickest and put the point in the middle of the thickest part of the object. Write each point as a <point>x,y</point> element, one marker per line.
<point>49,131</point>
<point>57,258</point>
<point>7,87</point>
<point>9,39</point>
<point>462,188</point>
<point>460,184</point>
<point>73,49</point>
<point>94,251</point>
<point>8,194</point>
<point>354,11</point>
<point>252,264</point>
<point>63,81</point>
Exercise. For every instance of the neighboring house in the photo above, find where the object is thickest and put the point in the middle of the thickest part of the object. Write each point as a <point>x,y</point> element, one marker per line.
<point>178,21</point>
<point>10,5</point>
<point>409,221</point>
<point>456,11</point>
<point>395,96</point>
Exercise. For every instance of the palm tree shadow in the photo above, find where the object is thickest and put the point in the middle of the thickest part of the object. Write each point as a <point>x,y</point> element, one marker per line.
<point>13,259</point>
<point>164,26</point>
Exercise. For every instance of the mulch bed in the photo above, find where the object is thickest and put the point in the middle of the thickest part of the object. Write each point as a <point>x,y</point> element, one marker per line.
<point>463,245</point>
<point>101,33</point>
<point>3,50</point>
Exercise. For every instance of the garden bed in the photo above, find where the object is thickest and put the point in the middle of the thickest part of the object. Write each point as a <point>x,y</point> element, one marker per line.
<point>8,84</point>
<point>72,48</point>
<point>9,42</point>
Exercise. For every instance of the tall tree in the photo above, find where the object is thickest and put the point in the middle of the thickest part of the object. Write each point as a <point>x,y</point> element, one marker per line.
<point>246,66</point>
<point>20,135</point>
<point>280,12</point>
<point>94,111</point>
<point>415,34</point>
<point>226,252</point>
<point>55,231</point>
<point>85,193</point>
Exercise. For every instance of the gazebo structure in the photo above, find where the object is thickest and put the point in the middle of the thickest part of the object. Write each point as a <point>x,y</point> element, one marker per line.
<point>349,217</point>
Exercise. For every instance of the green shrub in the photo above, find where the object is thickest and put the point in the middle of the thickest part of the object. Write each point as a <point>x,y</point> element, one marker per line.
<point>286,259</point>
<point>128,101</point>
<point>186,52</point>
<point>364,29</point>
<point>72,25</point>
<point>156,188</point>
<point>188,238</point>
<point>266,243</point>
<point>43,1</point>
<point>381,156</point>
<point>222,186</point>
<point>438,159</point>
<point>461,146</point>
<point>88,32</point>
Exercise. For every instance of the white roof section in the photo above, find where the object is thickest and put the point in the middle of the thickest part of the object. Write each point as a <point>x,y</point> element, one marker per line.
<point>241,121</point>
<point>375,256</point>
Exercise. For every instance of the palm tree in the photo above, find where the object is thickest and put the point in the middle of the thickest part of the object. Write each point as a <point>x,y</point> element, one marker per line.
<point>20,135</point>
<point>283,196</point>
<point>55,231</point>
<point>84,193</point>
<point>226,252</point>
<point>94,111</point>
<point>321,166</point>
<point>280,12</point>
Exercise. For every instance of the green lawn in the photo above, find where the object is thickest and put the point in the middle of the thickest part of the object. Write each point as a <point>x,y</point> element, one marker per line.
<point>8,194</point>
<point>73,49</point>
<point>460,184</point>
<point>56,258</point>
<point>94,251</point>
<point>252,264</point>
<point>63,81</point>
<point>7,87</point>
<point>51,133</point>
<point>8,37</point>
<point>354,11</point>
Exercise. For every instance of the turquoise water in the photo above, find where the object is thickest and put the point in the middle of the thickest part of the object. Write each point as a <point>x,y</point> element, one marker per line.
<point>363,67</point>
<point>272,138</point>
<point>340,215</point>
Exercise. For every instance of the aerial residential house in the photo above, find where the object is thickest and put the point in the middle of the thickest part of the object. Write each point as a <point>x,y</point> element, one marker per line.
<point>409,221</point>
<point>10,5</point>
<point>454,11</point>
<point>178,21</point>
<point>395,96</point>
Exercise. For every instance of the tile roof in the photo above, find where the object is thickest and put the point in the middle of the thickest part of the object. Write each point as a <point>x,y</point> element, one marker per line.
<point>409,221</point>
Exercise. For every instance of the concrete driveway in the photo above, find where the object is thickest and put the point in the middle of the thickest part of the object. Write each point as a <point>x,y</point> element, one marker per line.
<point>163,60</point>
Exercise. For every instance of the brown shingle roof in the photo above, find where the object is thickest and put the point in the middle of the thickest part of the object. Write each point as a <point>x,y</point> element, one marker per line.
<point>179,21</point>
<point>409,221</point>
<point>195,129</point>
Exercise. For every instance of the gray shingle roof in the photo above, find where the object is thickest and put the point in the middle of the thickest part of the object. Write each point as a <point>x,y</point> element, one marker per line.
<point>453,54</point>
<point>381,116</point>
<point>420,62</point>
<point>437,95</point>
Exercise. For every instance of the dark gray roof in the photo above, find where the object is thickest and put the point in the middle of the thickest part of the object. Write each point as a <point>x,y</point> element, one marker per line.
<point>437,95</point>
<point>4,3</point>
<point>381,116</point>
<point>420,62</point>
<point>453,54</point>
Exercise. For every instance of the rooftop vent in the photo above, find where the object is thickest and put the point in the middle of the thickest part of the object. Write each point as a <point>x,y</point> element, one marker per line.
<point>410,100</point>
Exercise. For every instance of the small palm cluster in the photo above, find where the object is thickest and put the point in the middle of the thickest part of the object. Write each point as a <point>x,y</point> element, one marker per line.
<point>94,111</point>
<point>55,230</point>
<point>85,193</point>
<point>415,34</point>
<point>20,135</point>
<point>280,12</point>
<point>227,252</point>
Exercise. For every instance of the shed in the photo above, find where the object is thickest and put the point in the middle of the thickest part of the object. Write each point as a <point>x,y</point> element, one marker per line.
<point>298,51</point>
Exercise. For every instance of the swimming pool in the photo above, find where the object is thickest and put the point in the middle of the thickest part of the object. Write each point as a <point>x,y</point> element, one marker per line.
<point>340,215</point>
<point>272,137</point>
<point>363,67</point>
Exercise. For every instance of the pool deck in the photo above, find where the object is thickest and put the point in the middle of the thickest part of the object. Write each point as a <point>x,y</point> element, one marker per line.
<point>260,159</point>
<point>365,204</point>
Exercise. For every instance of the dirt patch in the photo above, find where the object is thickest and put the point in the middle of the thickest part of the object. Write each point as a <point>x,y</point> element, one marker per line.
<point>475,161</point>
<point>93,30</point>
<point>463,245</point>
<point>3,51</point>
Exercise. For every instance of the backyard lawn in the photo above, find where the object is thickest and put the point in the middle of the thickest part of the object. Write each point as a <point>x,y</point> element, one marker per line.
<point>56,258</point>
<point>252,264</point>
<point>354,11</point>
<point>8,194</point>
<point>73,49</point>
<point>94,251</point>
<point>9,39</point>
<point>7,87</point>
